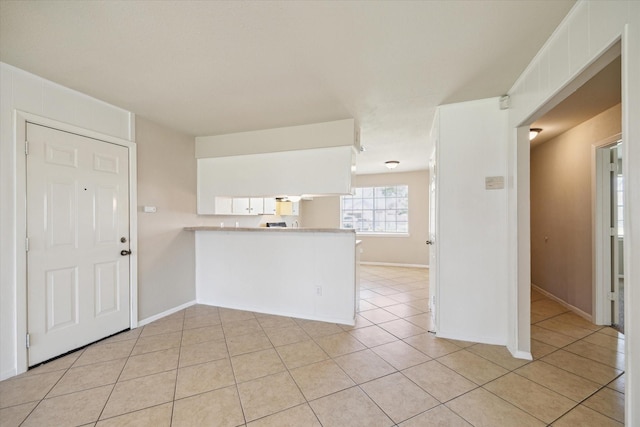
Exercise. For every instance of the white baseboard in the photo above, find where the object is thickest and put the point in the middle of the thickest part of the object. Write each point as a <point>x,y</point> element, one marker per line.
<point>8,374</point>
<point>519,354</point>
<point>165,313</point>
<point>393,264</point>
<point>563,303</point>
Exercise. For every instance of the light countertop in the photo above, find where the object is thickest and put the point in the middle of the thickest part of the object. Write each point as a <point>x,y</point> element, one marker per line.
<point>269,229</point>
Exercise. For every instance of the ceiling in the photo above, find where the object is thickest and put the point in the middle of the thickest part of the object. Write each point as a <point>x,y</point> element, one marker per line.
<point>601,92</point>
<point>217,67</point>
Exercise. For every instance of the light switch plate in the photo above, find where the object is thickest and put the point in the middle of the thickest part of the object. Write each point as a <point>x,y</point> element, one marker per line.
<point>494,182</point>
<point>150,209</point>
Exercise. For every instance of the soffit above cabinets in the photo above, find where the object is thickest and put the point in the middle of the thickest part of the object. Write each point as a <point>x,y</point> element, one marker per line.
<point>314,171</point>
<point>317,135</point>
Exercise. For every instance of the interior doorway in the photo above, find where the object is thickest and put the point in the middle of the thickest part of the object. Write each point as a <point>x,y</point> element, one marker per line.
<point>568,247</point>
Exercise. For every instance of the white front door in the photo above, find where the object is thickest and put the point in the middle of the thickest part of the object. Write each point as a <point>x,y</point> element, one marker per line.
<point>77,226</point>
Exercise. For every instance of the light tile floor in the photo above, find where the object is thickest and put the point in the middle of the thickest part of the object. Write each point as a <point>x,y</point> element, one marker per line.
<point>208,366</point>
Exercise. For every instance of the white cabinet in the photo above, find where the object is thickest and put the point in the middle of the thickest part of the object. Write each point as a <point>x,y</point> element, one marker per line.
<point>269,206</point>
<point>241,206</point>
<point>223,205</point>
<point>247,206</point>
<point>215,205</point>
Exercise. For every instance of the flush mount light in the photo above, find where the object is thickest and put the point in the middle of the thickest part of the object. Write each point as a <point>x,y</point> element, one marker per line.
<point>391,164</point>
<point>533,132</point>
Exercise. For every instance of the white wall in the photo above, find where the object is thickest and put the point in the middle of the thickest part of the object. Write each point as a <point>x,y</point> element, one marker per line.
<point>25,92</point>
<point>471,239</point>
<point>587,32</point>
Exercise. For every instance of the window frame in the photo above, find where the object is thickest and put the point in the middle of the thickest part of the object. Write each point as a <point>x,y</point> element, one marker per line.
<point>371,199</point>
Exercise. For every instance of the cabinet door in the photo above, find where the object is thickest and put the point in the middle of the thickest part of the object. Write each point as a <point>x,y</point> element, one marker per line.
<point>223,206</point>
<point>269,206</point>
<point>256,206</point>
<point>240,206</point>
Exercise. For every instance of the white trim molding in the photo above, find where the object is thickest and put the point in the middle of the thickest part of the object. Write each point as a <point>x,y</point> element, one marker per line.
<point>568,306</point>
<point>21,119</point>
<point>393,264</point>
<point>165,313</point>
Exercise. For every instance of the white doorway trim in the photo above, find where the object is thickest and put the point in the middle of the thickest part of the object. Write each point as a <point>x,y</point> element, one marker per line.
<point>601,186</point>
<point>20,125</point>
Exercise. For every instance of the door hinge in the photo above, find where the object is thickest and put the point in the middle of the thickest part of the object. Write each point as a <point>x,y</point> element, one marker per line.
<point>28,341</point>
<point>613,167</point>
<point>26,244</point>
<point>613,232</point>
<point>612,296</point>
<point>26,148</point>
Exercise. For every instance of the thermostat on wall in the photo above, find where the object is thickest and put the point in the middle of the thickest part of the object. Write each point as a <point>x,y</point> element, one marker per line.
<point>150,209</point>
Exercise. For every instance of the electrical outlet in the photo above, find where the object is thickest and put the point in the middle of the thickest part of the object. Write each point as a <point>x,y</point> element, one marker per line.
<point>319,291</point>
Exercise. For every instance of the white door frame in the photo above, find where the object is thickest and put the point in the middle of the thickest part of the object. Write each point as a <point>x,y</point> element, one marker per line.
<point>20,126</point>
<point>601,306</point>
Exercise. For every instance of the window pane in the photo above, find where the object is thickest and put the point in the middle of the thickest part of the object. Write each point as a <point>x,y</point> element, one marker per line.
<point>377,209</point>
<point>367,215</point>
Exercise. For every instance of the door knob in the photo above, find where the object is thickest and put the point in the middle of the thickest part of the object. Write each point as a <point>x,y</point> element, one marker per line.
<point>125,252</point>
<point>429,242</point>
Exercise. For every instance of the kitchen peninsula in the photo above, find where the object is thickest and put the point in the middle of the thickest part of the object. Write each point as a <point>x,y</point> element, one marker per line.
<point>308,273</point>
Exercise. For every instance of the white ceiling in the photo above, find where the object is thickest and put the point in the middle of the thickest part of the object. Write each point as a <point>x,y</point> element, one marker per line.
<point>216,67</point>
<point>599,93</point>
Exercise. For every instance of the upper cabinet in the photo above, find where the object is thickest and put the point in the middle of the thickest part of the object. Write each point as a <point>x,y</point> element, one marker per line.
<point>269,206</point>
<point>247,206</point>
<point>244,206</point>
<point>215,205</point>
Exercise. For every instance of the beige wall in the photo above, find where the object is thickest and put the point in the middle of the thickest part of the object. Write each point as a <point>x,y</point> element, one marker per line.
<point>325,212</point>
<point>561,204</point>
<point>167,180</point>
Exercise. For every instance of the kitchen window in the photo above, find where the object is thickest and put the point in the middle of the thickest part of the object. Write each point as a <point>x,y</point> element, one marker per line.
<point>376,210</point>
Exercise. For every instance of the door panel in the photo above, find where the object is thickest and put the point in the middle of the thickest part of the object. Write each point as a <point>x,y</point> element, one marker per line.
<point>60,209</point>
<point>77,211</point>
<point>61,298</point>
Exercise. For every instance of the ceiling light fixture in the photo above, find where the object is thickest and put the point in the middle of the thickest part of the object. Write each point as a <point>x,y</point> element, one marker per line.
<point>391,164</point>
<point>533,132</point>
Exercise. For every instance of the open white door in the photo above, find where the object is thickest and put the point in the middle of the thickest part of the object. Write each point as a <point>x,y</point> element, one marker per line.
<point>78,241</point>
<point>433,284</point>
<point>607,227</point>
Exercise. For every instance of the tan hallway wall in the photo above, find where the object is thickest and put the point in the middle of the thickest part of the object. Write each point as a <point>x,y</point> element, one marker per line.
<point>325,212</point>
<point>561,201</point>
<point>166,180</point>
